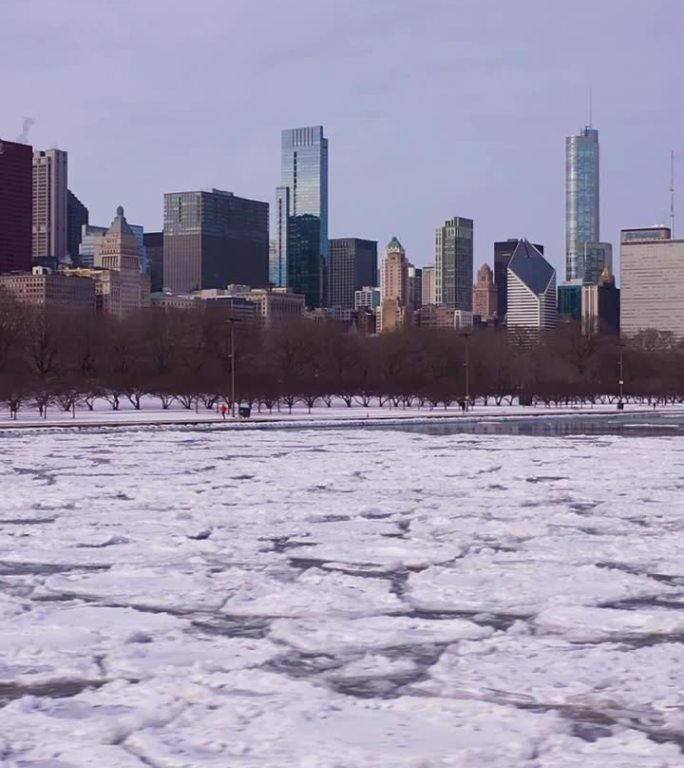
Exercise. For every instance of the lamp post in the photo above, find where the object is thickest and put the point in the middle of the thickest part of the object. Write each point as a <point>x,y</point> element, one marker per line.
<point>232,322</point>
<point>621,380</point>
<point>466,364</point>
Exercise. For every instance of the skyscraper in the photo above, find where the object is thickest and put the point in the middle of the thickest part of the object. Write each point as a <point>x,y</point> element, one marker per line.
<point>484,294</point>
<point>415,287</point>
<point>154,244</point>
<point>582,198</point>
<point>393,286</point>
<point>352,264</point>
<point>50,205</point>
<point>77,217</point>
<point>503,251</point>
<point>454,264</point>
<point>16,181</point>
<point>652,282</point>
<point>601,305</point>
<point>213,238</point>
<point>302,213</point>
<point>428,285</point>
<point>531,290</point>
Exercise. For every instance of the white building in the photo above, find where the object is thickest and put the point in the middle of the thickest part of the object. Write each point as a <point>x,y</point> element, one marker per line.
<point>50,204</point>
<point>652,281</point>
<point>531,288</point>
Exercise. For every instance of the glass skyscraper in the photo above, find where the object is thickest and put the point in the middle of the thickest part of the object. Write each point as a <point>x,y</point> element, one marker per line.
<point>582,198</point>
<point>302,214</point>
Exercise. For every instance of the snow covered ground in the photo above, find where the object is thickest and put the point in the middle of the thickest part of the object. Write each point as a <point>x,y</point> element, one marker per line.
<point>340,599</point>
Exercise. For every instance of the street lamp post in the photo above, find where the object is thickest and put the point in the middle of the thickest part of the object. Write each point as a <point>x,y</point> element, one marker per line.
<point>232,322</point>
<point>467,369</point>
<point>621,380</point>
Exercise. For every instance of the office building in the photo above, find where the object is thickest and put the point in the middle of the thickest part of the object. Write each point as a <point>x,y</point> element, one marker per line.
<point>50,205</point>
<point>367,298</point>
<point>352,264</point>
<point>274,277</point>
<point>302,214</point>
<point>46,289</point>
<point>586,256</point>
<point>503,252</point>
<point>485,295</point>
<point>601,306</point>
<point>652,282</point>
<point>436,316</point>
<point>454,264</point>
<point>277,304</point>
<point>531,290</point>
<point>428,286</point>
<point>154,245</point>
<point>392,313</point>
<point>213,238</point>
<point>89,247</point>
<point>77,218</point>
<point>570,300</point>
<point>414,298</point>
<point>16,212</point>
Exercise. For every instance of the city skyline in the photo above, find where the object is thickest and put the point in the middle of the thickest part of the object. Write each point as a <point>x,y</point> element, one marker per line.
<point>471,166</point>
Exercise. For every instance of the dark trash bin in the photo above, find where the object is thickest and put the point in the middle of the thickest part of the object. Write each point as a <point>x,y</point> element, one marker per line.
<point>525,399</point>
<point>621,406</point>
<point>244,411</point>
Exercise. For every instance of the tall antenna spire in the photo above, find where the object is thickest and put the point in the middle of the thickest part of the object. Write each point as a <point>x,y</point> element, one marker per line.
<point>672,194</point>
<point>591,108</point>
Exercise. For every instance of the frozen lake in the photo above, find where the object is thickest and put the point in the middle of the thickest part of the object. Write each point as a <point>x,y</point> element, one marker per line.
<point>342,598</point>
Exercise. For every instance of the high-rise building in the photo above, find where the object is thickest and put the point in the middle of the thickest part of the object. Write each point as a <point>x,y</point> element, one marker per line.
<point>154,245</point>
<point>352,264</point>
<point>531,290</point>
<point>414,299</point>
<point>213,238</point>
<point>503,251</point>
<point>273,264</point>
<point>302,214</point>
<point>77,217</point>
<point>454,264</point>
<point>50,205</point>
<point>367,297</point>
<point>601,305</point>
<point>428,286</point>
<point>16,183</point>
<point>485,295</point>
<point>570,300</point>
<point>392,313</point>
<point>586,256</point>
<point>120,252</point>
<point>652,282</point>
<point>89,247</point>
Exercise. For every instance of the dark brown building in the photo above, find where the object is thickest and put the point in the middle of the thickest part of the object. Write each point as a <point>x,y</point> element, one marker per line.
<point>77,218</point>
<point>212,239</point>
<point>352,264</point>
<point>154,243</point>
<point>16,206</point>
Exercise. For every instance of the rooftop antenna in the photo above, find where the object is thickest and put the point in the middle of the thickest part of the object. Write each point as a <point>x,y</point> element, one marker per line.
<point>591,108</point>
<point>672,194</point>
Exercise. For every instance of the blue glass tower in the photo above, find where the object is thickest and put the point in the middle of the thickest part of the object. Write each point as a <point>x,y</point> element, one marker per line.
<point>582,199</point>
<point>302,214</point>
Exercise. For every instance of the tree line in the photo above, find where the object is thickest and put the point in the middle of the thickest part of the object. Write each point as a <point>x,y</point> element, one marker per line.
<point>67,359</point>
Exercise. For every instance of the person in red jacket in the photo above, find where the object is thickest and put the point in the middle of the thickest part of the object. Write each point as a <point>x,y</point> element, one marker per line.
<point>224,410</point>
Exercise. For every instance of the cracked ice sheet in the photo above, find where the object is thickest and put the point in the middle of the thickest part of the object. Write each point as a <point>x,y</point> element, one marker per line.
<point>274,577</point>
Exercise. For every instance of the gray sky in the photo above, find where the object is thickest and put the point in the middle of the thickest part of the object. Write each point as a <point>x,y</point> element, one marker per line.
<point>433,108</point>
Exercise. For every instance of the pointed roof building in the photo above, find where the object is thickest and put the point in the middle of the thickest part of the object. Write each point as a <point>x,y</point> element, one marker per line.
<point>531,288</point>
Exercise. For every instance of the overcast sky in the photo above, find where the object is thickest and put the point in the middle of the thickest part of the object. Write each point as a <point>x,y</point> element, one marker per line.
<point>433,108</point>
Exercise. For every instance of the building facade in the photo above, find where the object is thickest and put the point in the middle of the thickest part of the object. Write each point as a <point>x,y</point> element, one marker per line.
<point>368,298</point>
<point>428,286</point>
<point>352,264</point>
<point>652,282</point>
<point>77,218</point>
<point>570,300</point>
<point>485,295</point>
<point>50,171</point>
<point>154,245</point>
<point>43,288</point>
<point>277,304</point>
<point>213,238</point>
<point>436,316</point>
<point>392,313</point>
<point>503,252</point>
<point>601,306</point>
<point>531,290</point>
<point>582,223</point>
<point>120,253</point>
<point>16,211</point>
<point>302,214</point>
<point>414,298</point>
<point>454,264</point>
<point>89,247</point>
